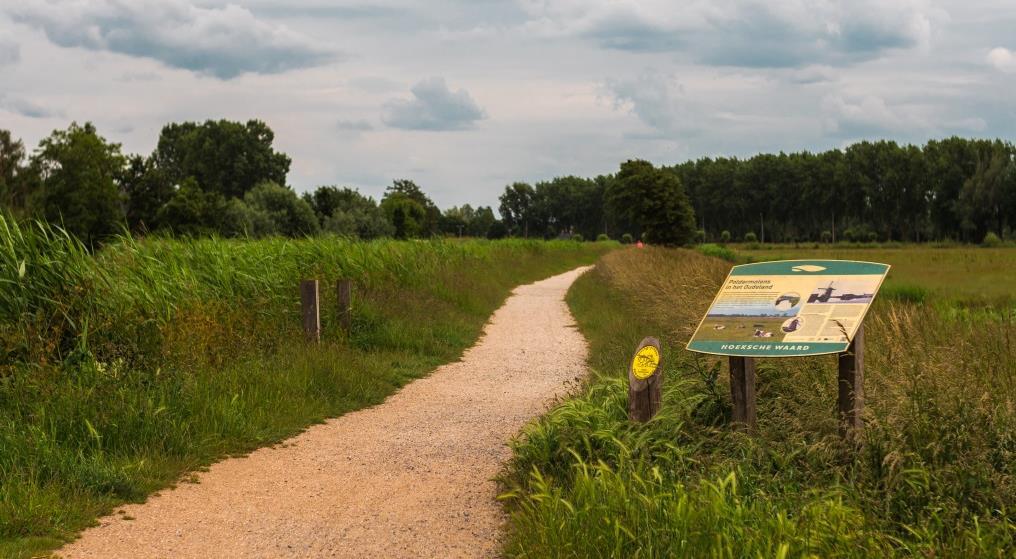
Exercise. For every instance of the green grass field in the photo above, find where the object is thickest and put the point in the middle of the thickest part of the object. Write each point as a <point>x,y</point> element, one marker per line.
<point>125,370</point>
<point>971,275</point>
<point>934,474</point>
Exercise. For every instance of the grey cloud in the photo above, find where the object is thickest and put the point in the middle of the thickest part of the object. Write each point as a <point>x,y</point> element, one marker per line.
<point>27,108</point>
<point>223,42</point>
<point>10,53</point>
<point>750,33</point>
<point>354,125</point>
<point>433,107</point>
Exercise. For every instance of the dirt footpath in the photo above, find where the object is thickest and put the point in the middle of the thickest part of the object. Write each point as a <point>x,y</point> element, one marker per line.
<point>408,478</point>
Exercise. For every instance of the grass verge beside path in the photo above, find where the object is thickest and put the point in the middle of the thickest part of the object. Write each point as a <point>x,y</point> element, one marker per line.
<point>934,477</point>
<point>122,371</point>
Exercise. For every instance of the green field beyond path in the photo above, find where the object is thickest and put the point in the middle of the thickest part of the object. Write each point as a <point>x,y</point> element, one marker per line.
<point>967,274</point>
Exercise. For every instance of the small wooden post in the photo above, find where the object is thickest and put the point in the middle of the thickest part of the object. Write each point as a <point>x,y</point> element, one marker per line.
<point>311,310</point>
<point>645,381</point>
<point>742,391</point>
<point>851,387</point>
<point>344,290</point>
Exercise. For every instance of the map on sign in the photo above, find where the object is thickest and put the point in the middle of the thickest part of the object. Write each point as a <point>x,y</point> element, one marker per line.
<point>789,308</point>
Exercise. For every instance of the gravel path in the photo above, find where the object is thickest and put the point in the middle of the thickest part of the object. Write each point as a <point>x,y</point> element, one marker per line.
<point>408,478</point>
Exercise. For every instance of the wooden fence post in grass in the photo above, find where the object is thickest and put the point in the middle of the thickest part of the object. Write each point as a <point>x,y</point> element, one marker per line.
<point>645,381</point>
<point>344,290</point>
<point>742,391</point>
<point>851,387</point>
<point>311,310</point>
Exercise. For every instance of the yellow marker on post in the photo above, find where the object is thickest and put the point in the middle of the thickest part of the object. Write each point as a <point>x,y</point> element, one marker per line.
<point>646,360</point>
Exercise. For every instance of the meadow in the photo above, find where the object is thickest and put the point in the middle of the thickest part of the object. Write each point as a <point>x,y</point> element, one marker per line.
<point>123,370</point>
<point>968,275</point>
<point>934,474</point>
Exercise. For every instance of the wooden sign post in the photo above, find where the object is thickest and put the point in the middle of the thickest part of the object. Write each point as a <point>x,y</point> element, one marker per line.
<point>645,381</point>
<point>311,310</point>
<point>742,391</point>
<point>793,308</point>
<point>851,387</point>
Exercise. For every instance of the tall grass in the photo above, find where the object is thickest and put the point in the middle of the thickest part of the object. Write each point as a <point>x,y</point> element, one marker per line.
<point>933,475</point>
<point>124,369</point>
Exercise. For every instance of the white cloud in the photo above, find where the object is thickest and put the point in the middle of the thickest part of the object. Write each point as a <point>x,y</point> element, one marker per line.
<point>868,115</point>
<point>434,107</point>
<point>1002,59</point>
<point>224,42</point>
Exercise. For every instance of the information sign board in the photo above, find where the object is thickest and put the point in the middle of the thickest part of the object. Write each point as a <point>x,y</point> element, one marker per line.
<point>789,308</point>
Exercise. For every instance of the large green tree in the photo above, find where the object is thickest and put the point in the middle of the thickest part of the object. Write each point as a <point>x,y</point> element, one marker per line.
<point>347,212</point>
<point>14,180</point>
<point>78,170</point>
<point>656,200</point>
<point>409,210</point>
<point>146,189</point>
<point>279,211</point>
<point>518,208</point>
<point>222,156</point>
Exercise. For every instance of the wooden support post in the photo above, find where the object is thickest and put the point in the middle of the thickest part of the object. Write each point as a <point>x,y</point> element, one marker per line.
<point>742,391</point>
<point>645,381</point>
<point>344,290</point>
<point>311,310</point>
<point>851,387</point>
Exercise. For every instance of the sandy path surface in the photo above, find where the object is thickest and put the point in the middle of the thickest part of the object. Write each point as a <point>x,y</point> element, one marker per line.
<point>408,478</point>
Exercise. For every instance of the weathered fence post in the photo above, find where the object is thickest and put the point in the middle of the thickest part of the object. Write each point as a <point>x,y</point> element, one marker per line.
<point>645,381</point>
<point>344,290</point>
<point>851,387</point>
<point>742,391</point>
<point>311,310</point>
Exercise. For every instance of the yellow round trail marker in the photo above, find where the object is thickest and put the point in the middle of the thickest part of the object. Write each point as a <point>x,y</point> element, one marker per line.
<point>645,362</point>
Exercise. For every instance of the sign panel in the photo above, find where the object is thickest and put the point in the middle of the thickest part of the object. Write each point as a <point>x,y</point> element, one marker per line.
<point>789,308</point>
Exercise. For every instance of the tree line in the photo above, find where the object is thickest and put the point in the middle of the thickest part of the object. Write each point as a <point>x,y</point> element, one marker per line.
<point>225,178</point>
<point>216,177</point>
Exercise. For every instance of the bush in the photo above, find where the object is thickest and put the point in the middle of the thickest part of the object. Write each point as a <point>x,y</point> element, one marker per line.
<point>725,237</point>
<point>872,237</point>
<point>700,236</point>
<point>991,240</point>
<point>750,237</point>
<point>578,237</point>
<point>827,237</point>
<point>627,239</point>
<point>602,237</point>
<point>717,251</point>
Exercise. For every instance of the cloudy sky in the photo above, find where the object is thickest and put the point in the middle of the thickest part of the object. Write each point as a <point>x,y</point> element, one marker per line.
<point>465,96</point>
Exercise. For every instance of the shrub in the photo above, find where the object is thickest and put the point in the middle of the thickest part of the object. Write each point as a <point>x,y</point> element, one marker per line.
<point>827,237</point>
<point>725,236</point>
<point>602,237</point>
<point>872,237</point>
<point>627,239</point>
<point>578,237</point>
<point>700,236</point>
<point>750,237</point>
<point>991,240</point>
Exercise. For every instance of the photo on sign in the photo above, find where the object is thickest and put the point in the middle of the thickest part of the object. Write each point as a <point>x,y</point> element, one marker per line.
<point>750,316</point>
<point>844,291</point>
